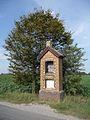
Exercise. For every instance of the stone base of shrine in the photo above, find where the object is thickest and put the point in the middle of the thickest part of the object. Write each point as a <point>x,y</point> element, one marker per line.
<point>51,95</point>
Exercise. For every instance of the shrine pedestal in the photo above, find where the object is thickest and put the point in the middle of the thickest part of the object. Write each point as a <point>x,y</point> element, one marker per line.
<point>51,95</point>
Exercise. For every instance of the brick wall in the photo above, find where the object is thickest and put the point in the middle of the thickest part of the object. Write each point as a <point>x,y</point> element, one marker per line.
<point>56,76</point>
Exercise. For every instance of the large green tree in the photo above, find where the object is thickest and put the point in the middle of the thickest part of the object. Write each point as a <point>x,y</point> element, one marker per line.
<point>29,37</point>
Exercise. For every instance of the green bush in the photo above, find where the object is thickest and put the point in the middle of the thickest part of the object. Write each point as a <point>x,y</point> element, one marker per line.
<point>72,85</point>
<point>7,84</point>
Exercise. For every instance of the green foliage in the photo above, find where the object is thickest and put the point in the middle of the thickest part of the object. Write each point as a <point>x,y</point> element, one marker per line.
<point>72,61</point>
<point>86,82</point>
<point>74,105</point>
<point>89,73</point>
<point>72,85</point>
<point>27,40</point>
<point>7,85</point>
<point>71,68</point>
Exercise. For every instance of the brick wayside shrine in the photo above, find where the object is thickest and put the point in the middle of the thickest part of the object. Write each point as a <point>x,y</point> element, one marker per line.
<point>51,74</point>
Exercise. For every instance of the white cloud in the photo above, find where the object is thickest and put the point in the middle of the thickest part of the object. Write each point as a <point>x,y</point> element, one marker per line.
<point>80,29</point>
<point>85,38</point>
<point>2,56</point>
<point>53,13</point>
<point>4,63</point>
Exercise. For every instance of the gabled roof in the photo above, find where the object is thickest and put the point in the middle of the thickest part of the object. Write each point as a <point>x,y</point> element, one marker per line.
<point>53,51</point>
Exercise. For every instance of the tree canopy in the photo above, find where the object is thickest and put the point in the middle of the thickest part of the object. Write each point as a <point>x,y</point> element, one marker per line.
<point>28,39</point>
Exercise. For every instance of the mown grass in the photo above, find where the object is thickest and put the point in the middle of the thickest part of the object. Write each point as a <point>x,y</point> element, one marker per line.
<point>73,105</point>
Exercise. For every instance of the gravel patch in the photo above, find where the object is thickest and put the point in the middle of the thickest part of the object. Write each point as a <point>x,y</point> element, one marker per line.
<point>40,109</point>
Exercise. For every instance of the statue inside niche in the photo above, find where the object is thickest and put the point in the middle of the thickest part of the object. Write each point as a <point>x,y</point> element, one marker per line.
<point>49,67</point>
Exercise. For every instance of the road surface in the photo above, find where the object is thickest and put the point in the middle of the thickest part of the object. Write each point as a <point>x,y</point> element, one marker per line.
<point>8,113</point>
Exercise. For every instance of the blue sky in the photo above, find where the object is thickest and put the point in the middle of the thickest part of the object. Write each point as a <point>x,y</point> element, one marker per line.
<point>75,13</point>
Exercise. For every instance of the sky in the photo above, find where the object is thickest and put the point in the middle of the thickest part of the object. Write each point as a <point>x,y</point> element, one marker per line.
<point>74,13</point>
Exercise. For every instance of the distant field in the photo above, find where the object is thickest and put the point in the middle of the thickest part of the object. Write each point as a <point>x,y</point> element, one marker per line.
<point>7,85</point>
<point>6,78</point>
<point>86,81</point>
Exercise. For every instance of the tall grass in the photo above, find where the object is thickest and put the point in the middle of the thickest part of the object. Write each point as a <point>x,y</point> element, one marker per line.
<point>74,105</point>
<point>18,97</point>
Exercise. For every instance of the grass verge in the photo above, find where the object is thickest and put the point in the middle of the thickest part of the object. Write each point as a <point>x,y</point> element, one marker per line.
<point>19,98</point>
<point>72,105</point>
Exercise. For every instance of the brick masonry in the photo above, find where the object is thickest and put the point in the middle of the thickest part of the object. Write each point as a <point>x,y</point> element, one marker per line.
<point>55,93</point>
<point>51,95</point>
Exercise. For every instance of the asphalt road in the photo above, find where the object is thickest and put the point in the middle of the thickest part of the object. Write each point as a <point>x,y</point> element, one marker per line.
<point>7,113</point>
